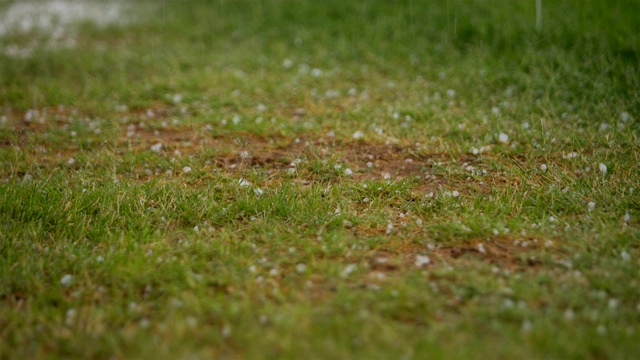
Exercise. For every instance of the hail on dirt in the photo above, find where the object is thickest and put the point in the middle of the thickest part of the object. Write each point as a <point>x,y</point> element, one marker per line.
<point>422,260</point>
<point>389,228</point>
<point>481,248</point>
<point>301,268</point>
<point>156,147</point>
<point>348,270</point>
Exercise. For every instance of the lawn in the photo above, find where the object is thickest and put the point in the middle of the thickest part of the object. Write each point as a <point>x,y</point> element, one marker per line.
<point>304,179</point>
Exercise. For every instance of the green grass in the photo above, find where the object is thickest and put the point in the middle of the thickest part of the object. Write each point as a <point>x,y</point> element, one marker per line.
<point>244,236</point>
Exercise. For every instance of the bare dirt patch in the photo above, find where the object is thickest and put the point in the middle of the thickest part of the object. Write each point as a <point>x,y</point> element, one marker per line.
<point>499,252</point>
<point>242,151</point>
<point>502,253</point>
<point>307,157</point>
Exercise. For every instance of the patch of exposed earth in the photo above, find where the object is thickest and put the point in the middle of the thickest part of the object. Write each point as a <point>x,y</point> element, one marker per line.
<point>244,151</point>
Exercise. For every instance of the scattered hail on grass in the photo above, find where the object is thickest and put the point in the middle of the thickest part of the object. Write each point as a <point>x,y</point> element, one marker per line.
<point>56,19</point>
<point>453,193</point>
<point>66,280</point>
<point>481,150</point>
<point>603,168</point>
<point>625,255</point>
<point>348,270</point>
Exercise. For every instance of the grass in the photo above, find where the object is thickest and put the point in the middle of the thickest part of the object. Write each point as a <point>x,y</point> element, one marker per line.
<point>176,185</point>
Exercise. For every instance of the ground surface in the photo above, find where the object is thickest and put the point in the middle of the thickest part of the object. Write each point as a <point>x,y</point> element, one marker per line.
<point>330,179</point>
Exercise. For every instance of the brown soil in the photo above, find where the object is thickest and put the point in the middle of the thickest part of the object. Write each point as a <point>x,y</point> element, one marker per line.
<point>245,151</point>
<point>502,253</point>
